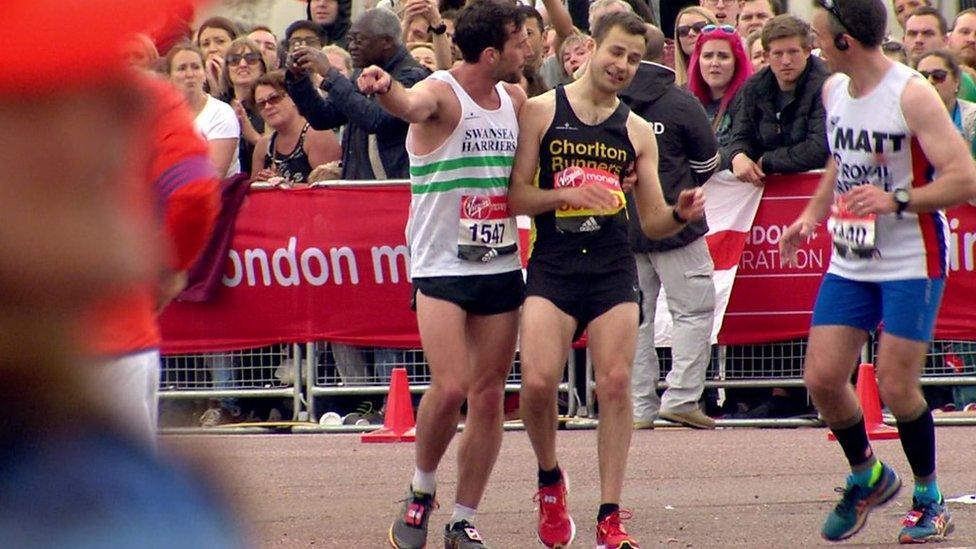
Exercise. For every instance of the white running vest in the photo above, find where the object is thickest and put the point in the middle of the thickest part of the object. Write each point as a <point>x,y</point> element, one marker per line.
<point>870,142</point>
<point>459,222</point>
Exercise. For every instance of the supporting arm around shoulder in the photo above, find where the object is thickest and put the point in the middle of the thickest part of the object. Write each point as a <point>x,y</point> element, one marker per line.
<point>524,196</point>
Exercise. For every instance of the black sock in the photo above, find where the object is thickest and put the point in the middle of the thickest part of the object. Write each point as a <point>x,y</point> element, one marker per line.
<point>549,478</point>
<point>606,509</point>
<point>918,441</point>
<point>854,440</point>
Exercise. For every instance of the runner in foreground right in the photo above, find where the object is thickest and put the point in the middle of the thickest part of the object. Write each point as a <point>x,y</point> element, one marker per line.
<point>887,131</point>
<point>575,146</point>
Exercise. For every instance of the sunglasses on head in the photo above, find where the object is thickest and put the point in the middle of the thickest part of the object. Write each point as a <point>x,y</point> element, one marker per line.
<point>272,99</point>
<point>251,58</point>
<point>725,29</point>
<point>831,6</point>
<point>937,76</point>
<point>685,30</point>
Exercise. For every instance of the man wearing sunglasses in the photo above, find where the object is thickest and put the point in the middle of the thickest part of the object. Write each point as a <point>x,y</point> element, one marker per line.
<point>778,116</point>
<point>897,162</point>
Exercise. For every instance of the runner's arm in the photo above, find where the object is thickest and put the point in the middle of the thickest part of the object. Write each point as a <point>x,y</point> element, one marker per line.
<point>415,105</point>
<point>524,196</point>
<point>658,220</point>
<point>819,205</point>
<point>945,149</point>
<point>816,209</point>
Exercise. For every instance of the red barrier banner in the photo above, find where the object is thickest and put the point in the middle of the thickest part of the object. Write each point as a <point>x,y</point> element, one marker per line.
<point>331,264</point>
<point>305,265</point>
<point>772,301</point>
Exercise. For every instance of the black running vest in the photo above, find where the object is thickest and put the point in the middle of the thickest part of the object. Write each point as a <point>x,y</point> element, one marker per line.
<point>573,153</point>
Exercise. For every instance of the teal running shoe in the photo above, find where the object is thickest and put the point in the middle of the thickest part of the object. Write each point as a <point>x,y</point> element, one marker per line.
<point>927,521</point>
<point>851,512</point>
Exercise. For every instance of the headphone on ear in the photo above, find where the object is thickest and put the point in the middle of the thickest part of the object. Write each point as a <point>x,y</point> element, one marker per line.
<point>841,43</point>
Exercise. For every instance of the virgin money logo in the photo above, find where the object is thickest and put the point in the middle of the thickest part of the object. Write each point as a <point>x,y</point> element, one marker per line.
<point>573,176</point>
<point>476,207</point>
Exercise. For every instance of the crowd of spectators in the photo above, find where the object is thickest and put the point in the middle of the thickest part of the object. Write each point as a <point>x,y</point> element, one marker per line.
<point>287,110</point>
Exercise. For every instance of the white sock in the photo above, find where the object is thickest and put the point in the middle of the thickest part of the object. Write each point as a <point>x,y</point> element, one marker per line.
<point>461,513</point>
<point>424,482</point>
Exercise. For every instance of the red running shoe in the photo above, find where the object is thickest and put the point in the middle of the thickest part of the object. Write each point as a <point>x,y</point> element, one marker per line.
<point>556,527</point>
<point>610,534</point>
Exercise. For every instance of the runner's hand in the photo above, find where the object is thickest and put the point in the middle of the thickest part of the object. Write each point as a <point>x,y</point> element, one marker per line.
<point>374,80</point>
<point>691,204</point>
<point>867,199</point>
<point>590,197</point>
<point>792,238</point>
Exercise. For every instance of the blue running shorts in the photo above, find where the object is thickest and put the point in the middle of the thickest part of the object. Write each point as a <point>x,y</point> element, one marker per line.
<point>907,308</point>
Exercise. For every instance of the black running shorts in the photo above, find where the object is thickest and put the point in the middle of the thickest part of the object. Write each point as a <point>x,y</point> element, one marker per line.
<point>475,294</point>
<point>584,285</point>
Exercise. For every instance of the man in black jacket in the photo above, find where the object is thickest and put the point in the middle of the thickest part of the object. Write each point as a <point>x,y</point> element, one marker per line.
<point>778,120</point>
<point>688,155</point>
<point>373,141</point>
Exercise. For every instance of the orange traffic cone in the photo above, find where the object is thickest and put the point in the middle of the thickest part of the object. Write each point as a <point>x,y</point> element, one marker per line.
<point>398,424</point>
<point>867,393</point>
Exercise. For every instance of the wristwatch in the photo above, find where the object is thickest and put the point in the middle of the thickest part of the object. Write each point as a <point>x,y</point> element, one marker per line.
<point>902,198</point>
<point>439,29</point>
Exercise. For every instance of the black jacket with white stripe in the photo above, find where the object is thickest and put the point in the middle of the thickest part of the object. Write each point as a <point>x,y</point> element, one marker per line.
<point>687,149</point>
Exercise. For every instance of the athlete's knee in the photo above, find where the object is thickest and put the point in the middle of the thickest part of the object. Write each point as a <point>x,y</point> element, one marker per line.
<point>537,388</point>
<point>487,396</point>
<point>902,394</point>
<point>451,394</point>
<point>613,385</point>
<point>822,383</point>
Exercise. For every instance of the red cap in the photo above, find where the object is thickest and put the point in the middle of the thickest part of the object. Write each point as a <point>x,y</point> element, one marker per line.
<point>63,45</point>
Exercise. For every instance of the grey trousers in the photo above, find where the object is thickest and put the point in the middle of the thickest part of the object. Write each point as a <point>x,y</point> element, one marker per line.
<point>686,275</point>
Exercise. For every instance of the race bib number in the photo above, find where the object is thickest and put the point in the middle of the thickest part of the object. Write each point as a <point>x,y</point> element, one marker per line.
<point>582,220</point>
<point>487,230</point>
<point>853,236</point>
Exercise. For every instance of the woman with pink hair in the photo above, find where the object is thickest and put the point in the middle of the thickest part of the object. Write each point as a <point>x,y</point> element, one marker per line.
<point>719,67</point>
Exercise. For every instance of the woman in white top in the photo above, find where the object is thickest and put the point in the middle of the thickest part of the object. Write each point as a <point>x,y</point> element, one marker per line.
<point>215,120</point>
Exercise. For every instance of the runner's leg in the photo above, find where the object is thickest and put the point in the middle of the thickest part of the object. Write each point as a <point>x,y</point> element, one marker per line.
<point>832,353</point>
<point>442,331</point>
<point>545,342</point>
<point>612,340</point>
<point>491,349</point>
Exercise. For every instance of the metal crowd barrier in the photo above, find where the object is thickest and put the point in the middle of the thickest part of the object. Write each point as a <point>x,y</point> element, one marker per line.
<point>361,379</point>
<point>249,373</point>
<point>303,372</point>
<point>780,364</point>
